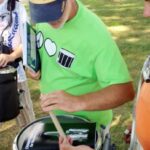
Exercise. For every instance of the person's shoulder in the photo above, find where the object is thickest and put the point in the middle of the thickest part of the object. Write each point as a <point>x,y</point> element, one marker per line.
<point>90,18</point>
<point>19,6</point>
<point>20,9</point>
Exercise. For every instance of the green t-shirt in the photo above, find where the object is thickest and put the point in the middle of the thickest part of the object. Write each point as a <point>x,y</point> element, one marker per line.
<point>80,58</point>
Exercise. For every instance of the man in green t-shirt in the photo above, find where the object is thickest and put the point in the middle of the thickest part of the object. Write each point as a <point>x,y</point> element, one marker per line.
<point>82,71</point>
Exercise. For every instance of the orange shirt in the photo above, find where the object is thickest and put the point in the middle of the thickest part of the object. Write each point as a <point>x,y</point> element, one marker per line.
<point>143,116</point>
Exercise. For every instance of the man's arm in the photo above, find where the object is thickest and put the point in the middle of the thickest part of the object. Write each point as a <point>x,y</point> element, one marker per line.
<point>107,98</point>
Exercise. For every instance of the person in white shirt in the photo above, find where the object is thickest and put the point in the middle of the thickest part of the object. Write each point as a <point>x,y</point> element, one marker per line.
<point>11,33</point>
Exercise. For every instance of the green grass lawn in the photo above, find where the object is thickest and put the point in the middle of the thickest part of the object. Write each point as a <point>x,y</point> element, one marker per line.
<point>132,34</point>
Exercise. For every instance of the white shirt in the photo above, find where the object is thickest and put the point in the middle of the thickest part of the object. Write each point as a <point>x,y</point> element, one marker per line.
<point>13,35</point>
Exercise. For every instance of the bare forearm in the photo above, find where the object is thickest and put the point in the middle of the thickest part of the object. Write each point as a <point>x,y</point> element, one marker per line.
<point>107,98</point>
<point>6,58</point>
<point>16,53</point>
<point>104,99</point>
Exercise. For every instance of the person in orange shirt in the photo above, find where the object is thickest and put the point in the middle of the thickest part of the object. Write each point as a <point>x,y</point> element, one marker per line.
<point>143,103</point>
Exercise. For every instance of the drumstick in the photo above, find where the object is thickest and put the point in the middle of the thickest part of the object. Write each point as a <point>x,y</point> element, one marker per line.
<point>57,124</point>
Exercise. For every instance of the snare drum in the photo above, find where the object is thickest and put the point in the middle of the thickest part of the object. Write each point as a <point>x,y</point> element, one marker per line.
<point>42,134</point>
<point>9,103</point>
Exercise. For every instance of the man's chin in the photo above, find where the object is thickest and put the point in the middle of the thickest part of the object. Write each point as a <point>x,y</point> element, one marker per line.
<point>56,26</point>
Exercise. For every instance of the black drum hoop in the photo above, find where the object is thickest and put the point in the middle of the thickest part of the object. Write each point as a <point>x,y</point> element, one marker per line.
<point>72,118</point>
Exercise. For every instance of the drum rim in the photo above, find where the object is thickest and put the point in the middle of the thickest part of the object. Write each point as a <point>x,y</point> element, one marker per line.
<point>45,117</point>
<point>8,69</point>
<point>15,143</point>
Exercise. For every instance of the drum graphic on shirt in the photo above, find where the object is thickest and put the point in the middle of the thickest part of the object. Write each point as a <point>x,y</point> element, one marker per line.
<point>65,58</point>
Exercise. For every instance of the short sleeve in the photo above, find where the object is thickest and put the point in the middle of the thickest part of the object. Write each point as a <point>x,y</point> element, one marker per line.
<point>110,68</point>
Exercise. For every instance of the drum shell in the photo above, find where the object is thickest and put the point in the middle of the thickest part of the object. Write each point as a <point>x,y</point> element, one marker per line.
<point>35,126</point>
<point>9,99</point>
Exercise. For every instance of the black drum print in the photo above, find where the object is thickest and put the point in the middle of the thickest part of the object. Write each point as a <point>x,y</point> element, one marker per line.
<point>65,58</point>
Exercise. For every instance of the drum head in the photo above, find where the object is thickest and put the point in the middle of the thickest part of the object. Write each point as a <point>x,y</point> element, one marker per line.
<point>42,134</point>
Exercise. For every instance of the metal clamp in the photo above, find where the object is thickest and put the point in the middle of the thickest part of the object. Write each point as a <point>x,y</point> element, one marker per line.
<point>146,70</point>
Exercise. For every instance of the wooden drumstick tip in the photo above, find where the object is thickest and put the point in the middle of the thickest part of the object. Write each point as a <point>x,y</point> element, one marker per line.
<point>57,125</point>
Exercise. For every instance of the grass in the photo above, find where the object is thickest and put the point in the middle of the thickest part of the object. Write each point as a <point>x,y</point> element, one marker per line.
<point>132,34</point>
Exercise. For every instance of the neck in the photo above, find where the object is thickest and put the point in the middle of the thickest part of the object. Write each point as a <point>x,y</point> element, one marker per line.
<point>74,10</point>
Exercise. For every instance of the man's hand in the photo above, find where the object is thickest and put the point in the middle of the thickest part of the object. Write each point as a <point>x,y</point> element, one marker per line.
<point>64,144</point>
<point>62,101</point>
<point>34,75</point>
<point>5,59</point>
